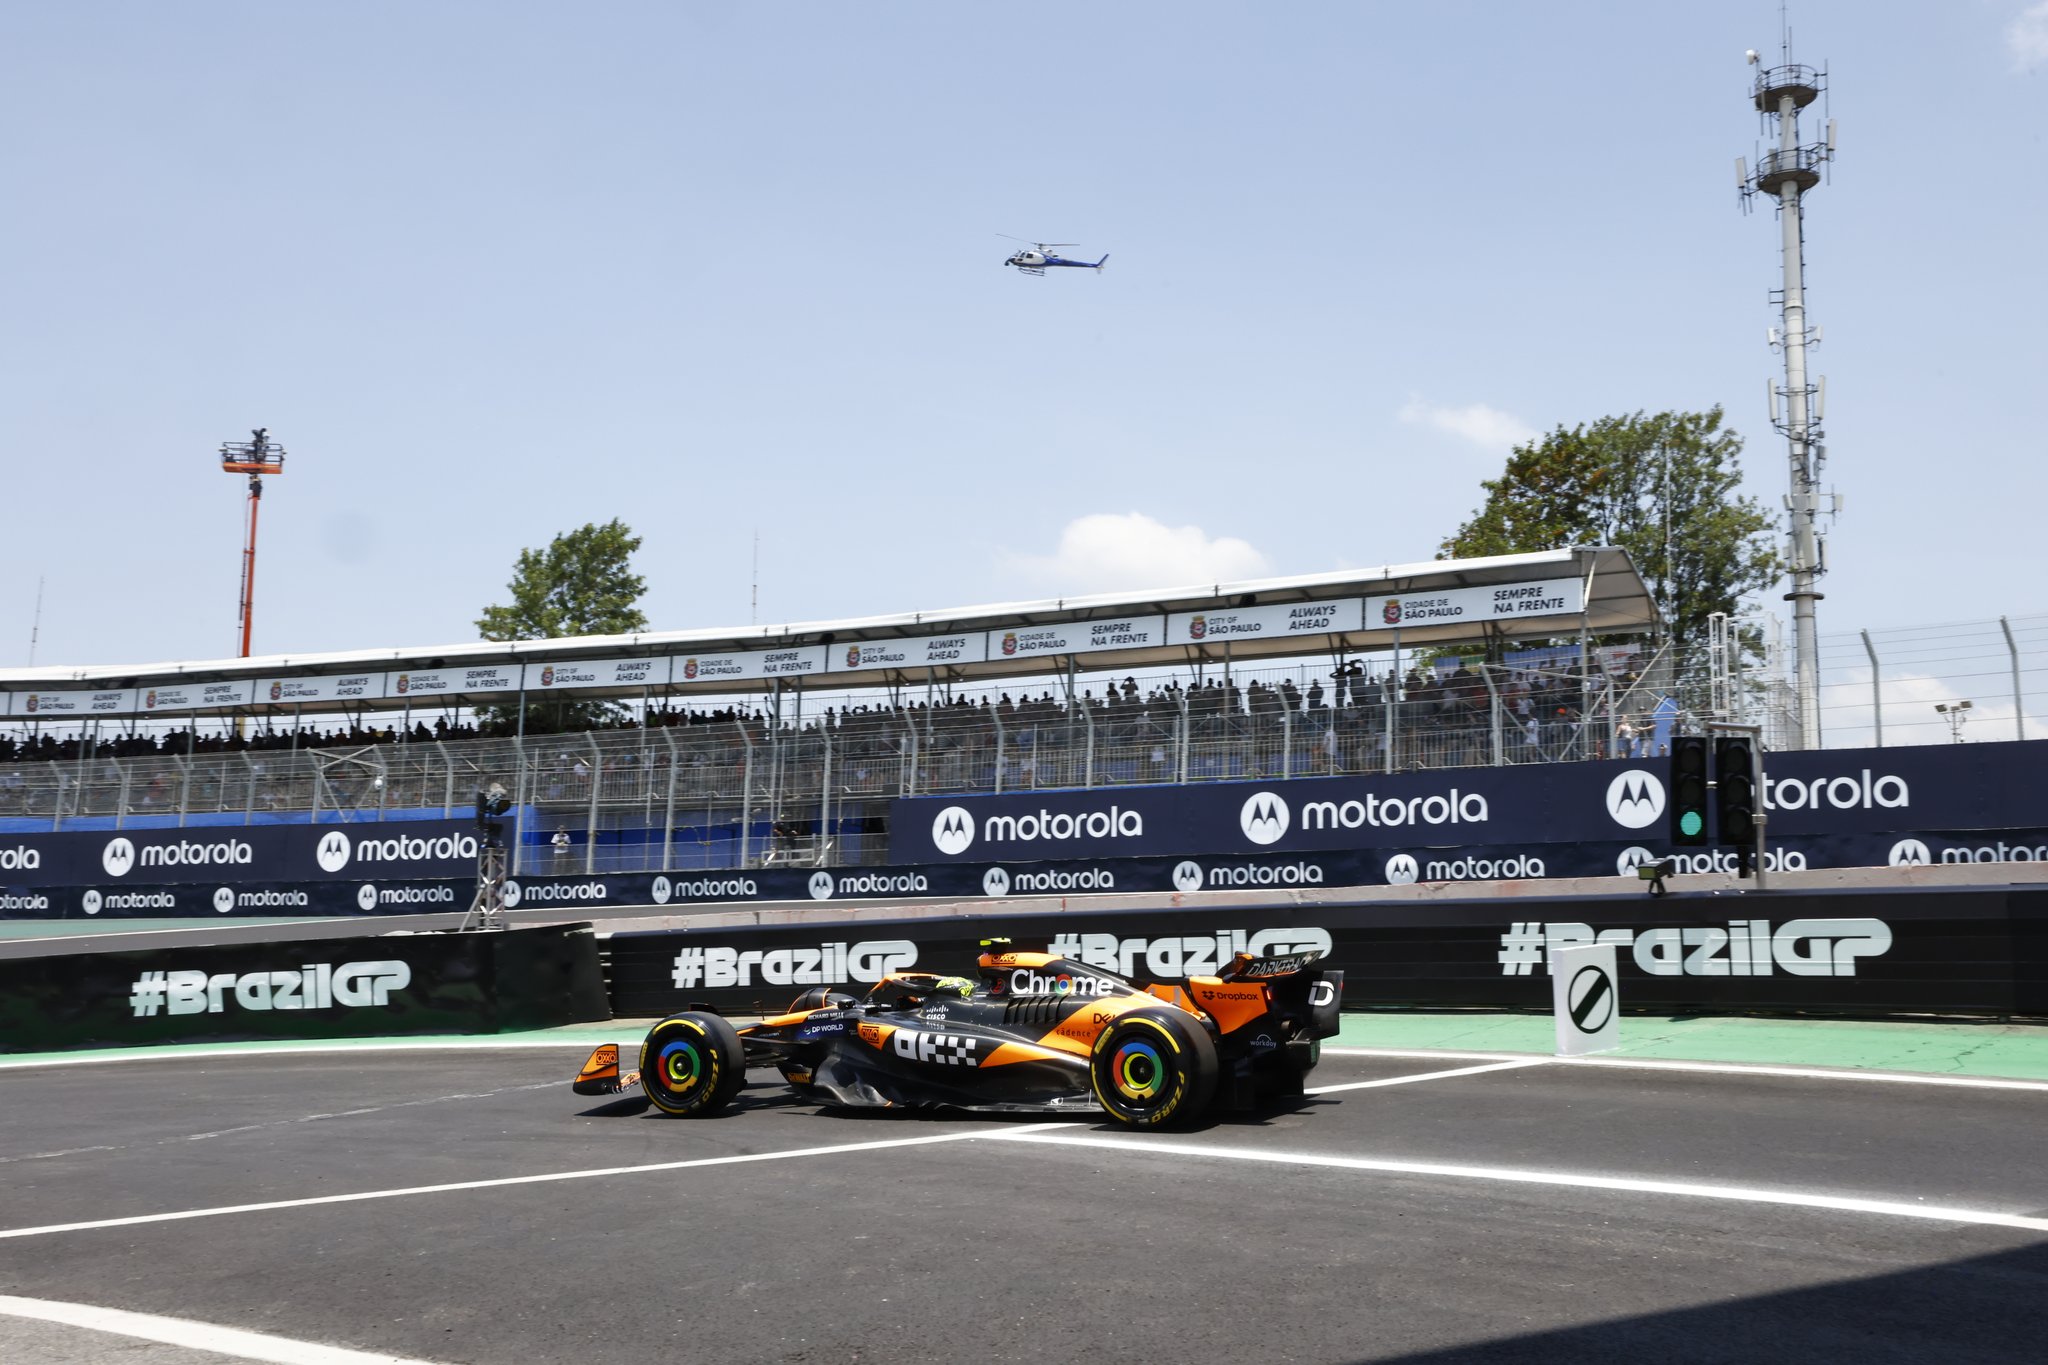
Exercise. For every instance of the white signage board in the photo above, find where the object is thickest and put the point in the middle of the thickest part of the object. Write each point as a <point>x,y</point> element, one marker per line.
<point>929,651</point>
<point>640,672</point>
<point>748,664</point>
<point>321,687</point>
<point>1333,617</point>
<point>199,696</point>
<point>1586,995</point>
<point>1496,602</point>
<point>75,702</point>
<point>1078,637</point>
<point>415,684</point>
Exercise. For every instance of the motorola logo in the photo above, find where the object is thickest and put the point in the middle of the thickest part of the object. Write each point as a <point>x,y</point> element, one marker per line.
<point>1633,857</point>
<point>1187,876</point>
<point>953,830</point>
<point>366,896</point>
<point>1402,869</point>
<point>332,851</point>
<point>1909,853</point>
<point>1264,818</point>
<point>512,894</point>
<point>90,901</point>
<point>821,882</point>
<point>995,882</point>
<point>118,857</point>
<point>223,899</point>
<point>662,890</point>
<point>1635,799</point>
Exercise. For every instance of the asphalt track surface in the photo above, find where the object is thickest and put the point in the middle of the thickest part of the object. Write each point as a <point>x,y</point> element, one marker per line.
<point>1442,1208</point>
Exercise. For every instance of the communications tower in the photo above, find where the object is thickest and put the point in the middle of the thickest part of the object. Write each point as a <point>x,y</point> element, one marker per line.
<point>255,458</point>
<point>1787,172</point>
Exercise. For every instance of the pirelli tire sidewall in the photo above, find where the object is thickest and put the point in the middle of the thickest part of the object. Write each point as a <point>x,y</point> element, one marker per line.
<point>692,1064</point>
<point>1154,1067</point>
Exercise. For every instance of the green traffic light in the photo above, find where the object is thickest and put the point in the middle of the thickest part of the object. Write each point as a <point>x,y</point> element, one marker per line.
<point>1691,823</point>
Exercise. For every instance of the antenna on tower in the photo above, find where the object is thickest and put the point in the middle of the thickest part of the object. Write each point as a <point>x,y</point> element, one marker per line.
<point>754,602</point>
<point>1788,171</point>
<point>35,628</point>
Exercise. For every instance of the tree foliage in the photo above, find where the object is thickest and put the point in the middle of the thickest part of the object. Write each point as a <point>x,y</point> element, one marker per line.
<point>581,584</point>
<point>1662,487</point>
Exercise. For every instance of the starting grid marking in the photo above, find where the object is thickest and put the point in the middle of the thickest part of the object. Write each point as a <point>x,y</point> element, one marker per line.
<point>197,1336</point>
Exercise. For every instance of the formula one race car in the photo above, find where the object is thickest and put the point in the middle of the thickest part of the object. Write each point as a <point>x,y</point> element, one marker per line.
<point>1035,1033</point>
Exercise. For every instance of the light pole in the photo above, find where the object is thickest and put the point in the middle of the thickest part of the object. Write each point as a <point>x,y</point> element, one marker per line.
<point>1957,714</point>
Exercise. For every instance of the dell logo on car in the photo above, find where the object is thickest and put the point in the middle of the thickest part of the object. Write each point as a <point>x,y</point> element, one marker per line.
<point>1635,799</point>
<point>1264,818</point>
<point>952,831</point>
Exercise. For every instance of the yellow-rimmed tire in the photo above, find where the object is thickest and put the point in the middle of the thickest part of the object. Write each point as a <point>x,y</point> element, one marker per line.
<point>692,1064</point>
<point>1154,1067</point>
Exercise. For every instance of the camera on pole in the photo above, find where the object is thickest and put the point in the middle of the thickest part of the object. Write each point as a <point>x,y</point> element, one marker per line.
<point>487,910</point>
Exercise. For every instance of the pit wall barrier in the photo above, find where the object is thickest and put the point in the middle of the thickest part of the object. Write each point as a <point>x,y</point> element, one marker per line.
<point>1976,951</point>
<point>384,986</point>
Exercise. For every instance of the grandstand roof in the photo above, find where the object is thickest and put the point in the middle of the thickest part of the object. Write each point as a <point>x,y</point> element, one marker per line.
<point>1459,601</point>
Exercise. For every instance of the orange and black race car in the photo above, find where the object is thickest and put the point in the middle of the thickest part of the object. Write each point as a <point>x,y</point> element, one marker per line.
<point>1031,1033</point>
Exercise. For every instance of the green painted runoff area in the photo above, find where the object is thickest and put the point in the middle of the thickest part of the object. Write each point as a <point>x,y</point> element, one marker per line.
<point>2012,1051</point>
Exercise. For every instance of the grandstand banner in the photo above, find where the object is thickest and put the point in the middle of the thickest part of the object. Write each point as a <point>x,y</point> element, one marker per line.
<point>109,861</point>
<point>216,696</point>
<point>1937,791</point>
<point>1454,606</point>
<point>1078,637</point>
<point>336,987</point>
<point>746,664</point>
<point>644,672</point>
<point>930,651</point>
<point>74,702</point>
<point>1334,617</point>
<point>321,687</point>
<point>1934,950</point>
<point>416,683</point>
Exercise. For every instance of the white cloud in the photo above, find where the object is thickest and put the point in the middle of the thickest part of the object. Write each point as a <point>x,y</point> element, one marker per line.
<point>1112,552</point>
<point>2026,37</point>
<point>1476,422</point>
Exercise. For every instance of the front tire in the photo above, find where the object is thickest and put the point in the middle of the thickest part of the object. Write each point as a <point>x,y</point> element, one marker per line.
<point>1154,1067</point>
<point>692,1064</point>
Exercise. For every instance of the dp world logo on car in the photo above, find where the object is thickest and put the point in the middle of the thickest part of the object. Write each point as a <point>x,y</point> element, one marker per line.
<point>1635,799</point>
<point>332,851</point>
<point>1264,818</point>
<point>952,831</point>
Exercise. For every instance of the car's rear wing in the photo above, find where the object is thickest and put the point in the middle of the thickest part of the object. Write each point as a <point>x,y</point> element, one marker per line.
<point>1294,978</point>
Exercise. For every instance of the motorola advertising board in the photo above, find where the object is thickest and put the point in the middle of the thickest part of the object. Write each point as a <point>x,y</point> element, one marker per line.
<point>1938,950</point>
<point>115,859</point>
<point>1949,792</point>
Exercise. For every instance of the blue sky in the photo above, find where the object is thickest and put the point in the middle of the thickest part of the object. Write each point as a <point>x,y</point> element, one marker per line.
<point>493,270</point>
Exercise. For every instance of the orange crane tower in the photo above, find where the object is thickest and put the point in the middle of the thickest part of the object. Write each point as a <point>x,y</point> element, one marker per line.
<point>255,458</point>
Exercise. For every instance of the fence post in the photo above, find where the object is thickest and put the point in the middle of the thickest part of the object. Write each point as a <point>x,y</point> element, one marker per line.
<point>1493,710</point>
<point>448,785</point>
<point>1286,739</point>
<point>1390,688</point>
<point>590,823</point>
<point>127,771</point>
<point>668,811</point>
<point>522,792</point>
<point>1876,699</point>
<point>746,789</point>
<point>184,787</point>
<point>383,783</point>
<point>1088,758</point>
<point>995,715</point>
<point>1181,702</point>
<point>2019,714</point>
<point>249,800</point>
<point>827,839</point>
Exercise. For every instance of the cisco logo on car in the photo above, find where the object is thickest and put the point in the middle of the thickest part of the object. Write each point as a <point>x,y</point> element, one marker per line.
<point>1264,818</point>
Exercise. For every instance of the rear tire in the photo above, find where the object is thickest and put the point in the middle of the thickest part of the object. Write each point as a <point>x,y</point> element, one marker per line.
<point>692,1064</point>
<point>1154,1067</point>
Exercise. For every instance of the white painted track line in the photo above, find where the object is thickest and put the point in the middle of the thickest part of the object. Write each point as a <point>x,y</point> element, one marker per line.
<point>197,1336</point>
<point>1511,1175</point>
<point>506,1182</point>
<point>1811,1073</point>
<point>1426,1076</point>
<point>338,1048</point>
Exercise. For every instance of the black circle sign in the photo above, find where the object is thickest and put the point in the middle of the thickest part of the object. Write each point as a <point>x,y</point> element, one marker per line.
<point>1591,999</point>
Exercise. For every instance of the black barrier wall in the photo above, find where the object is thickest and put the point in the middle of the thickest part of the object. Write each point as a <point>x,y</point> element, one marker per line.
<point>1843,802</point>
<point>314,988</point>
<point>1973,951</point>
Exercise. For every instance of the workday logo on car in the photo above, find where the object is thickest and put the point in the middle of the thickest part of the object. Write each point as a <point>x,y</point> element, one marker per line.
<point>1635,799</point>
<point>953,830</point>
<point>1264,818</point>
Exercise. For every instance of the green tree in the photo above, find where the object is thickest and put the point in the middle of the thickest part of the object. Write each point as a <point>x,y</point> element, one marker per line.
<point>1662,487</point>
<point>581,584</point>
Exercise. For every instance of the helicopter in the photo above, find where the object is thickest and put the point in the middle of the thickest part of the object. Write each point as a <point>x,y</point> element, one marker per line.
<point>1037,256</point>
